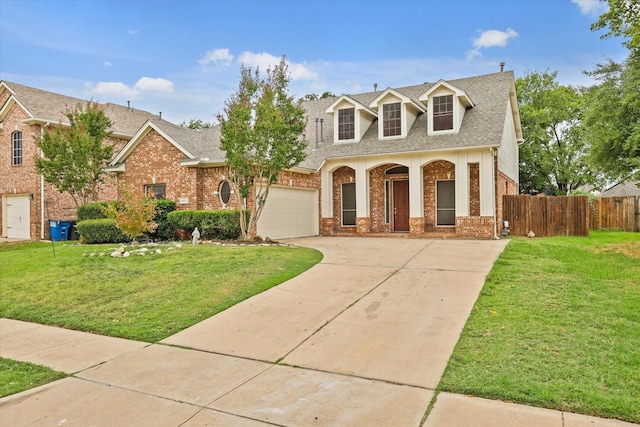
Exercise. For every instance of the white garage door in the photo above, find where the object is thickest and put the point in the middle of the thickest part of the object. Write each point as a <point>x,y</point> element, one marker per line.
<point>289,212</point>
<point>18,217</point>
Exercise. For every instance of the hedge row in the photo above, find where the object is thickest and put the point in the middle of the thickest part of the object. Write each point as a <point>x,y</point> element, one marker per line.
<point>94,227</point>
<point>103,230</point>
<point>92,211</point>
<point>217,225</point>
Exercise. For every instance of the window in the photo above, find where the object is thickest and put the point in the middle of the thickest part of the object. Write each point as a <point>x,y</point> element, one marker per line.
<point>346,124</point>
<point>225,192</point>
<point>17,148</point>
<point>391,121</point>
<point>443,112</point>
<point>349,203</point>
<point>156,191</point>
<point>446,202</point>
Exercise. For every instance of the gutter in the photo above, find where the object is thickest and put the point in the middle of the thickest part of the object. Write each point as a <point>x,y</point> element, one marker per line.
<point>494,179</point>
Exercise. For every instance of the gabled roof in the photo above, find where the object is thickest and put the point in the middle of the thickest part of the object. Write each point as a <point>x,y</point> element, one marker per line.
<point>460,93</point>
<point>483,125</point>
<point>330,109</point>
<point>47,107</point>
<point>200,147</point>
<point>403,98</point>
<point>622,189</point>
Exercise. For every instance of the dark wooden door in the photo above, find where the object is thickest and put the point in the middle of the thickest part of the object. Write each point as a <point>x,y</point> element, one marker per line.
<point>400,205</point>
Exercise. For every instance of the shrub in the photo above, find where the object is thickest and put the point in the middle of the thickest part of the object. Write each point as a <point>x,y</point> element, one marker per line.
<point>218,224</point>
<point>92,210</point>
<point>165,229</point>
<point>103,230</point>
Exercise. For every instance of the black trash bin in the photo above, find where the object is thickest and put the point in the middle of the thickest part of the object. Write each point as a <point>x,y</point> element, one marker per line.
<point>72,231</point>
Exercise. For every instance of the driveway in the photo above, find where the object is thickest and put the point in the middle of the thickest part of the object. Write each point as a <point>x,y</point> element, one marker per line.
<point>362,338</point>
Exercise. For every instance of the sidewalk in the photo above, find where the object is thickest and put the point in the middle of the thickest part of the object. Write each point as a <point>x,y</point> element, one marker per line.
<point>361,339</point>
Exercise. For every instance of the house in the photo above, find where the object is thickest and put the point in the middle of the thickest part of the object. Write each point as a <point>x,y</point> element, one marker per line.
<point>622,189</point>
<point>430,160</point>
<point>27,201</point>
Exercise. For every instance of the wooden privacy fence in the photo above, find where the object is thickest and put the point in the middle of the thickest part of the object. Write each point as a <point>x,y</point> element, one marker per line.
<point>615,213</point>
<point>546,216</point>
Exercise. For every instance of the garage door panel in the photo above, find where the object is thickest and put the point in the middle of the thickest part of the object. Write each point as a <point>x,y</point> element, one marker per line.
<point>18,217</point>
<point>289,212</point>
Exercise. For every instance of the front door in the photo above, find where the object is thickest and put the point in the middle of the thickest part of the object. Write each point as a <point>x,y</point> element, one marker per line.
<point>401,205</point>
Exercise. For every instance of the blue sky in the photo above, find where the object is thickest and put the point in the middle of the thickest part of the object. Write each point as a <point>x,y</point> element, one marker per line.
<point>183,57</point>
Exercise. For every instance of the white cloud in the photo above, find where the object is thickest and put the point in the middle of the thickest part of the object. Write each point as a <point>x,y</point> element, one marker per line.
<point>222,56</point>
<point>590,7</point>
<point>107,64</point>
<point>119,90</point>
<point>133,32</point>
<point>490,38</point>
<point>264,60</point>
<point>155,85</point>
<point>112,89</point>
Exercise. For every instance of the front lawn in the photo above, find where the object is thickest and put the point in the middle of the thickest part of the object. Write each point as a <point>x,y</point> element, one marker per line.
<point>557,325</point>
<point>146,298</point>
<point>20,376</point>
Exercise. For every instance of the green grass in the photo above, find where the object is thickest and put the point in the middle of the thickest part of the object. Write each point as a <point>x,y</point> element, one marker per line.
<point>557,325</point>
<point>143,298</point>
<point>20,376</point>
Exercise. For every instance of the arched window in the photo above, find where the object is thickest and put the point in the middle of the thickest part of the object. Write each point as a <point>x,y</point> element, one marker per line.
<point>16,145</point>
<point>225,192</point>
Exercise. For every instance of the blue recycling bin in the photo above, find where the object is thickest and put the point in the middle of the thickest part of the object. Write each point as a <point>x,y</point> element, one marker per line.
<point>58,231</point>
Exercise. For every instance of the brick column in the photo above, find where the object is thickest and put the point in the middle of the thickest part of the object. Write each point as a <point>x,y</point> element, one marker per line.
<point>416,226</point>
<point>364,226</point>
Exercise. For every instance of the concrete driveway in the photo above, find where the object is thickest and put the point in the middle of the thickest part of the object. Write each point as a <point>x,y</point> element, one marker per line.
<point>360,339</point>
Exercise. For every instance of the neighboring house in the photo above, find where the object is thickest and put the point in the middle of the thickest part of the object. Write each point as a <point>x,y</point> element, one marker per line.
<point>27,202</point>
<point>431,160</point>
<point>426,160</point>
<point>622,189</point>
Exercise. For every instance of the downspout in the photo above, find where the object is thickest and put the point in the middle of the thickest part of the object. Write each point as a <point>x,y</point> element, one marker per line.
<point>42,190</point>
<point>494,154</point>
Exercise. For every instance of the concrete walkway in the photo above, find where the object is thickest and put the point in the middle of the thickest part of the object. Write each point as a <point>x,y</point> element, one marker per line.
<point>361,339</point>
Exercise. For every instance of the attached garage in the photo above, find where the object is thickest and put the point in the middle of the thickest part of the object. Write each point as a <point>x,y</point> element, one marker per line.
<point>289,212</point>
<point>18,215</point>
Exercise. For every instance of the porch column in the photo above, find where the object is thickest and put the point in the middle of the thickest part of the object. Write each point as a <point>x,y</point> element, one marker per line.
<point>326,182</point>
<point>462,184</point>
<point>486,183</point>
<point>363,219</point>
<point>416,197</point>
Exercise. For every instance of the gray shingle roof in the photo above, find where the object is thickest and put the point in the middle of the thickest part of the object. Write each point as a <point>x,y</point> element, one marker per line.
<point>482,125</point>
<point>202,144</point>
<point>49,106</point>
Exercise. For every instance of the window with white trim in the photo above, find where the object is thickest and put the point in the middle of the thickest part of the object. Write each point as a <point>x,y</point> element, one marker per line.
<point>224,192</point>
<point>348,192</point>
<point>443,112</point>
<point>391,119</point>
<point>16,147</point>
<point>346,124</point>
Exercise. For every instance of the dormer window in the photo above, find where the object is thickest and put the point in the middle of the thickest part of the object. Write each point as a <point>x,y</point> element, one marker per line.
<point>443,112</point>
<point>346,124</point>
<point>392,119</point>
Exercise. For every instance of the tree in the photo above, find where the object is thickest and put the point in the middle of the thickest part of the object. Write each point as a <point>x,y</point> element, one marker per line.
<point>553,158</point>
<point>133,216</point>
<point>612,118</point>
<point>623,20</point>
<point>74,157</point>
<point>261,135</point>
<point>314,96</point>
<point>197,124</point>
